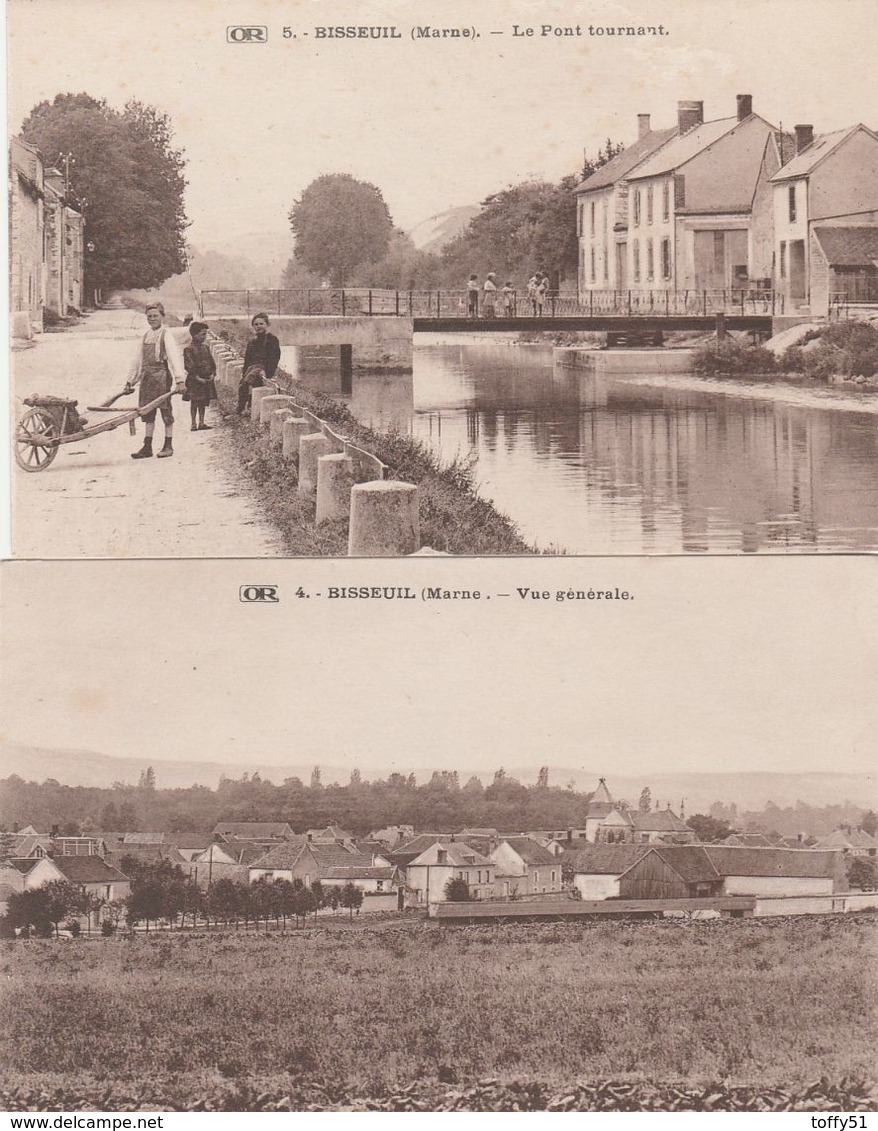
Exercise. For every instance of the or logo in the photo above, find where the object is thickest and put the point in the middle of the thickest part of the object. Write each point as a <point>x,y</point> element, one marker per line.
<point>243,34</point>
<point>266,594</point>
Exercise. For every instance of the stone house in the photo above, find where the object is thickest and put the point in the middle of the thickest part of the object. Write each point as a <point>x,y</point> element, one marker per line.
<point>26,238</point>
<point>661,826</point>
<point>64,247</point>
<point>826,220</point>
<point>675,211</point>
<point>30,872</point>
<point>428,873</point>
<point>331,864</point>
<point>522,866</point>
<point>850,841</point>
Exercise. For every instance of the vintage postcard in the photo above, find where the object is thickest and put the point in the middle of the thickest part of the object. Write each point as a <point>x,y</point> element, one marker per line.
<point>525,278</point>
<point>322,845</point>
<point>575,808</point>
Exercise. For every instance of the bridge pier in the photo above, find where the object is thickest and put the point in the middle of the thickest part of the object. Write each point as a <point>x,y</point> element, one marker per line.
<point>383,343</point>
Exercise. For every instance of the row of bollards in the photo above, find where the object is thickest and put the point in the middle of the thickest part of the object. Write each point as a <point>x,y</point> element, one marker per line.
<point>383,513</point>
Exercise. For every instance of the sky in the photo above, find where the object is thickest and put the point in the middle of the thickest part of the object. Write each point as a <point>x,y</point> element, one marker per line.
<point>433,123</point>
<point>727,664</point>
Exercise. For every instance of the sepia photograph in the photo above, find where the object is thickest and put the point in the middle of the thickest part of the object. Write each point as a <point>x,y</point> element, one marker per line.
<point>546,283</point>
<point>343,851</point>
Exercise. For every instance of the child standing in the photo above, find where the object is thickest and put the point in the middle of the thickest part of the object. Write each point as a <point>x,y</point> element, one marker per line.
<point>472,296</point>
<point>508,293</point>
<point>200,373</point>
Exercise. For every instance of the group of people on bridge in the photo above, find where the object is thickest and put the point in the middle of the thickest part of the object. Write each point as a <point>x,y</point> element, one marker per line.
<point>482,301</point>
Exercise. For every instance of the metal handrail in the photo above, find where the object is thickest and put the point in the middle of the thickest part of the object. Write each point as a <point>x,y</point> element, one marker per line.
<point>374,302</point>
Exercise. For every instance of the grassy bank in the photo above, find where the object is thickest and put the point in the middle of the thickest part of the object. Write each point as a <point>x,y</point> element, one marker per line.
<point>839,350</point>
<point>453,517</point>
<point>769,1007</point>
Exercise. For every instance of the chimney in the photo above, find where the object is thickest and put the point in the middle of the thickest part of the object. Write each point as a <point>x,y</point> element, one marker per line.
<point>642,125</point>
<point>745,106</point>
<point>689,115</point>
<point>804,137</point>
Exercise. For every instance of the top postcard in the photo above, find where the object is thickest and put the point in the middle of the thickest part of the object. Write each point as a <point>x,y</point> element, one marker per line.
<point>312,279</point>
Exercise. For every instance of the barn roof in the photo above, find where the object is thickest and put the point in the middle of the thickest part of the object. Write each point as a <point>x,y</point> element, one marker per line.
<point>284,855</point>
<point>254,830</point>
<point>603,859</point>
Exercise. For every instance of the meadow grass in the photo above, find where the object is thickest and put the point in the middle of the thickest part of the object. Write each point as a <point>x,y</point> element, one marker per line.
<point>770,1003</point>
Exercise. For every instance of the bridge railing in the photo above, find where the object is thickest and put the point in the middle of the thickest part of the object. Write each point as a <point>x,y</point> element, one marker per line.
<point>357,302</point>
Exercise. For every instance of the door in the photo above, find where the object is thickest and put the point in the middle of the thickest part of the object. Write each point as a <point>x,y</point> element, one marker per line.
<point>622,266</point>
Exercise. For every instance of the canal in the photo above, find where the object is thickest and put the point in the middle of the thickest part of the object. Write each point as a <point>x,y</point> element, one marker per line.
<point>642,465</point>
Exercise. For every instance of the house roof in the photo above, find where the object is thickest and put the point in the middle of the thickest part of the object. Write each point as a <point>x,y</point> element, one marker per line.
<point>24,844</point>
<point>622,164</point>
<point>747,840</point>
<point>820,148</point>
<point>283,855</point>
<point>89,870</point>
<point>660,821</point>
<point>331,832</point>
<point>488,833</point>
<point>457,854</point>
<point>144,838</point>
<point>358,872</point>
<point>603,859</point>
<point>849,247</point>
<point>24,864</point>
<point>683,148</point>
<point>254,830</point>
<point>841,838</point>
<point>530,851</point>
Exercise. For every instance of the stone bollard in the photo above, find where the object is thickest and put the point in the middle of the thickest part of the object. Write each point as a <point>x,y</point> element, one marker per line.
<point>276,425</point>
<point>384,520</point>
<point>311,447</point>
<point>293,431</point>
<point>335,477</point>
<point>256,398</point>
<point>233,372</point>
<point>271,403</point>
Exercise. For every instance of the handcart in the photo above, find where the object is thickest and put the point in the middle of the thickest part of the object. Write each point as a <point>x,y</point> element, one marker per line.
<point>53,421</point>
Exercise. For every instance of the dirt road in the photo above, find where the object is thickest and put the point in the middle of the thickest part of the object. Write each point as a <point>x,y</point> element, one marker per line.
<point>94,501</point>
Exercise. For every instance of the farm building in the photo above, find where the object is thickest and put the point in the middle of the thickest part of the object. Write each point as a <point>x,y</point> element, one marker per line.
<point>254,830</point>
<point>697,871</point>
<point>596,868</point>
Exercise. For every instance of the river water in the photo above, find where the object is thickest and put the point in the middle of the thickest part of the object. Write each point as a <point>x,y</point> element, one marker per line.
<point>642,465</point>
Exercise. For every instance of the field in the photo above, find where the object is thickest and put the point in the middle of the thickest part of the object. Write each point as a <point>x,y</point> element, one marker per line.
<point>406,1014</point>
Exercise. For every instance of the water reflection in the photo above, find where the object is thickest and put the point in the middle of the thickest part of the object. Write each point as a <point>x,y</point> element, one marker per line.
<point>600,465</point>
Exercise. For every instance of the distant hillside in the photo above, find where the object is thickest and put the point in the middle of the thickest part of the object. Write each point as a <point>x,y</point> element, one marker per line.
<point>435,233</point>
<point>749,791</point>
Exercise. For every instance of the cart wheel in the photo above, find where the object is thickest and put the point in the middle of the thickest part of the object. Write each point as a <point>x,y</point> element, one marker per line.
<point>36,440</point>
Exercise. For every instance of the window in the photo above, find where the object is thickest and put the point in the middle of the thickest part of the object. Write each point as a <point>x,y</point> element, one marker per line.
<point>649,204</point>
<point>592,266</point>
<point>606,258</point>
<point>792,203</point>
<point>636,207</point>
<point>666,200</point>
<point>592,216</point>
<point>553,877</point>
<point>650,260</point>
<point>635,256</point>
<point>666,258</point>
<point>379,885</point>
<point>536,878</point>
<point>783,259</point>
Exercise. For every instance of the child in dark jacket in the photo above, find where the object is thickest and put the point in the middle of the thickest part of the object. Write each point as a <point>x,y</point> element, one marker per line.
<point>200,373</point>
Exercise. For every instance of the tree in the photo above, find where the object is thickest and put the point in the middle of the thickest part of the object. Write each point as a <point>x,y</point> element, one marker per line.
<point>339,223</point>
<point>861,873</point>
<point>709,829</point>
<point>543,778</point>
<point>315,778</point>
<point>127,180</point>
<point>147,778</point>
<point>351,897</point>
<point>869,823</point>
<point>457,890</point>
<point>645,803</point>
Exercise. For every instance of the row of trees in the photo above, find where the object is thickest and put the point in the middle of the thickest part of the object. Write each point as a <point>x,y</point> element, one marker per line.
<point>161,892</point>
<point>344,233</point>
<point>443,802</point>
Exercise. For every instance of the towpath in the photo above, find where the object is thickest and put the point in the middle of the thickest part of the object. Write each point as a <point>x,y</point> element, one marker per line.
<point>94,501</point>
